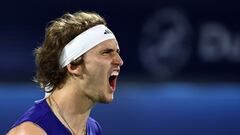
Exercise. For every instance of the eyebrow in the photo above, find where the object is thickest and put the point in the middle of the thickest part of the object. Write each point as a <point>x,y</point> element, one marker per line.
<point>110,50</point>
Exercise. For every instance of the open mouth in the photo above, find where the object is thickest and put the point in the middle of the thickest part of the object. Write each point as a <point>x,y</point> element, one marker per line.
<point>113,79</point>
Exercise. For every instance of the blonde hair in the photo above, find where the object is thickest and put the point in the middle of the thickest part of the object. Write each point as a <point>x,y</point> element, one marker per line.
<point>58,33</point>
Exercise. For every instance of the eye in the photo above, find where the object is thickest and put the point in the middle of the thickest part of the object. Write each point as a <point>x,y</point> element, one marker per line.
<point>107,51</point>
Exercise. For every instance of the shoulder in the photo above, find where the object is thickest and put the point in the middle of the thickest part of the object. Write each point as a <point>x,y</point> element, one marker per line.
<point>27,128</point>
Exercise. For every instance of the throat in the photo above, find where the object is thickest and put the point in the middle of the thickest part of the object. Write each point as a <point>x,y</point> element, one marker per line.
<point>75,123</point>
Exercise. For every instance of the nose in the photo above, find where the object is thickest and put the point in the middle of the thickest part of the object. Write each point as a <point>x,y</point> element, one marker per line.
<point>117,60</point>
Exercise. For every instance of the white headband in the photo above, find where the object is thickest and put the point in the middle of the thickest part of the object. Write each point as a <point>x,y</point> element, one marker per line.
<point>84,42</point>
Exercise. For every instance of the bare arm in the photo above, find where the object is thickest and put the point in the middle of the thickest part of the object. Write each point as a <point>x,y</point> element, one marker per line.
<point>27,128</point>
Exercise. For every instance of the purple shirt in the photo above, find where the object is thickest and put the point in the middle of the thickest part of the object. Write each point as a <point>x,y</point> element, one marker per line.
<point>42,115</point>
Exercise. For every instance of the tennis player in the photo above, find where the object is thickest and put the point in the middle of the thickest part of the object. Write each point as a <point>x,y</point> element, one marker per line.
<point>77,65</point>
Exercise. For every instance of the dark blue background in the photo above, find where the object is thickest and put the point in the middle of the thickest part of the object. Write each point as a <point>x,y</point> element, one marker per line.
<point>23,22</point>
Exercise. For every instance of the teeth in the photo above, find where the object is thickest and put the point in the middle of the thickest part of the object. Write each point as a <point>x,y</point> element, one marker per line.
<point>114,73</point>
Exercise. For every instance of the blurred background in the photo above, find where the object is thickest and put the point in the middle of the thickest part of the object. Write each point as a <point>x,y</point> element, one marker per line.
<point>181,70</point>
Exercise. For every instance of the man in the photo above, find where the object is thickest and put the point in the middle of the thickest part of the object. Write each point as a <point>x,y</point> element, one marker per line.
<point>77,65</point>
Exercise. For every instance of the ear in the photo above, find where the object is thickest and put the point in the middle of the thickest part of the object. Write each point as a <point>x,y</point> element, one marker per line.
<point>74,70</point>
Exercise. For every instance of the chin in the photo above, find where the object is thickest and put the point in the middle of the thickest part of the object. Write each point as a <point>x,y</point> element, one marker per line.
<point>106,100</point>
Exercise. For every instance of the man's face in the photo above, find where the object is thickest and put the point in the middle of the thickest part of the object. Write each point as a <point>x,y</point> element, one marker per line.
<point>102,66</point>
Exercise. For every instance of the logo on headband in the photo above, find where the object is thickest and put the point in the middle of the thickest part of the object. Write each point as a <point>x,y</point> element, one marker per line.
<point>107,32</point>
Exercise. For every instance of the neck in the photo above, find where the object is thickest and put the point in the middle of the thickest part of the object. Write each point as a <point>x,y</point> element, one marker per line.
<point>71,107</point>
